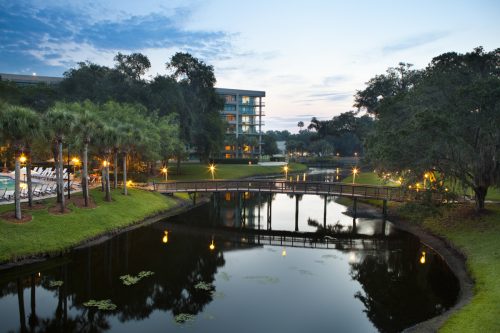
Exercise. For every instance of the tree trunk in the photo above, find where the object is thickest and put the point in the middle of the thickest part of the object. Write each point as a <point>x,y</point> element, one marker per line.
<point>178,171</point>
<point>125,174</point>
<point>115,170</point>
<point>56,167</point>
<point>60,180</point>
<point>85,176</point>
<point>28,180</point>
<point>108,187</point>
<point>480,197</point>
<point>17,190</point>
<point>103,179</point>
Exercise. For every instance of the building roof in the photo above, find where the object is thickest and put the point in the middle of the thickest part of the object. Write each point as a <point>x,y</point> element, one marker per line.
<point>253,93</point>
<point>30,79</point>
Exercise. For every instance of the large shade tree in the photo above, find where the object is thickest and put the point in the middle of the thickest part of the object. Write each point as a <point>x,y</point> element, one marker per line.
<point>448,121</point>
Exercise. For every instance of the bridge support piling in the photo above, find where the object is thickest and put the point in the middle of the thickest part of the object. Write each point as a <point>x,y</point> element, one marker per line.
<point>384,208</point>
<point>355,207</point>
<point>296,213</point>
<point>324,211</point>
<point>258,210</point>
<point>269,211</point>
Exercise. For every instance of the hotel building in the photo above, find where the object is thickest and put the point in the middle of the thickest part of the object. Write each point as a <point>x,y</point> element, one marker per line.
<point>243,114</point>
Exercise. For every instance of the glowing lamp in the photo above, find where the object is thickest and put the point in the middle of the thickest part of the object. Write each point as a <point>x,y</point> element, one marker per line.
<point>212,245</point>
<point>283,252</point>
<point>165,237</point>
<point>105,164</point>
<point>22,159</point>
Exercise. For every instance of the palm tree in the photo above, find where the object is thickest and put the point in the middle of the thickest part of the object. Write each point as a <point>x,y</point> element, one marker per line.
<point>60,123</point>
<point>106,139</point>
<point>87,125</point>
<point>19,125</point>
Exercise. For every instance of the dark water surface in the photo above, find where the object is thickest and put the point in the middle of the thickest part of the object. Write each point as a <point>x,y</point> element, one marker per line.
<point>357,284</point>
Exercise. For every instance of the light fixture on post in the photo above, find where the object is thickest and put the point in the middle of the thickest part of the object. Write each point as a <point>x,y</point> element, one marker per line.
<point>165,171</point>
<point>212,245</point>
<point>165,237</point>
<point>211,167</point>
<point>355,171</point>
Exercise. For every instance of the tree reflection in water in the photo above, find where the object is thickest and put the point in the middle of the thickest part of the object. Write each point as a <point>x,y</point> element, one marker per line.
<point>395,289</point>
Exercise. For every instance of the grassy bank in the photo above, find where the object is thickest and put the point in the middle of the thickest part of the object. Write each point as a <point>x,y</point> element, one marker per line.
<point>50,233</point>
<point>227,171</point>
<point>477,236</point>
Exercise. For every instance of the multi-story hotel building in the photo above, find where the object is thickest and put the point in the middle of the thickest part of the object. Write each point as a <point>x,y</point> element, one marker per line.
<point>243,114</point>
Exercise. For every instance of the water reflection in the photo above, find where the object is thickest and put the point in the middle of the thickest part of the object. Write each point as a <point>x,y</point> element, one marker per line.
<point>255,273</point>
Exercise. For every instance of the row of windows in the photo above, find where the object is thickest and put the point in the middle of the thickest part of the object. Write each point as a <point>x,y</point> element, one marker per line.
<point>243,99</point>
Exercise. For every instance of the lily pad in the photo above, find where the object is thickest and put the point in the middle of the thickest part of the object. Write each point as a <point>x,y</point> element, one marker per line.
<point>204,286</point>
<point>129,280</point>
<point>263,279</point>
<point>183,318</point>
<point>104,304</point>
<point>56,283</point>
<point>224,276</point>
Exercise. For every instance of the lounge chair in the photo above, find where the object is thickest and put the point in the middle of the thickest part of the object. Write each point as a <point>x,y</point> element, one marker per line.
<point>2,194</point>
<point>41,190</point>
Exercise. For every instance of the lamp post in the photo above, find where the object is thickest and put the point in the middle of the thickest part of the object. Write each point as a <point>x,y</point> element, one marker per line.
<point>165,171</point>
<point>211,167</point>
<point>354,173</point>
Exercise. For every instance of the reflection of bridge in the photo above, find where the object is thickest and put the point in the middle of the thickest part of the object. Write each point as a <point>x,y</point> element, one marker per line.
<point>259,237</point>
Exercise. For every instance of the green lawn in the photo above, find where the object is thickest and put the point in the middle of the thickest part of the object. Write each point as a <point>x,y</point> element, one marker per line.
<point>47,232</point>
<point>193,171</point>
<point>478,237</point>
<point>369,178</point>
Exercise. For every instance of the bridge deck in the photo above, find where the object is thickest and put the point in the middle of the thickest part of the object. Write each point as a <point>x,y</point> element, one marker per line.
<point>389,193</point>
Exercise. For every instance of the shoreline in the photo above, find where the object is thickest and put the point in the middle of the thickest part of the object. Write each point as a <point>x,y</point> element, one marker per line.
<point>451,255</point>
<point>181,206</point>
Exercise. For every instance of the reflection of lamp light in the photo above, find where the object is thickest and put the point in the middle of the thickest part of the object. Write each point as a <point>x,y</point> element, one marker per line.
<point>165,237</point>
<point>212,245</point>
<point>422,258</point>
<point>283,253</point>
<point>285,169</point>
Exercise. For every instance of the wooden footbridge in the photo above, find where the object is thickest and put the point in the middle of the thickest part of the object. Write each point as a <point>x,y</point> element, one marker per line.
<point>385,193</point>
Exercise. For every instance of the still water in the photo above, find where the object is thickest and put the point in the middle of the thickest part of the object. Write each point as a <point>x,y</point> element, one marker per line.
<point>370,278</point>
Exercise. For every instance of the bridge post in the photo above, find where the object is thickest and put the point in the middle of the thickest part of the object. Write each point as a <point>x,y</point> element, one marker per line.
<point>355,207</point>
<point>269,211</point>
<point>296,212</point>
<point>324,211</point>
<point>384,208</point>
<point>258,209</point>
<point>243,210</point>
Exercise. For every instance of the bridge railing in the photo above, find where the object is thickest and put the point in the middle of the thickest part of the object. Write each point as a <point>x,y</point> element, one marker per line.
<point>391,193</point>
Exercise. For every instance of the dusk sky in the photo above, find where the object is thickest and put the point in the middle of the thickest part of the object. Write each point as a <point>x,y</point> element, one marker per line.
<point>309,56</point>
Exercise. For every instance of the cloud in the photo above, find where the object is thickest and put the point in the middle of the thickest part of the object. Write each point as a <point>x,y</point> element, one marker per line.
<point>60,36</point>
<point>326,96</point>
<point>414,41</point>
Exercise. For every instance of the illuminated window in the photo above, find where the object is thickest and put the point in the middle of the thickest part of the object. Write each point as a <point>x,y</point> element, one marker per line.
<point>230,98</point>
<point>228,148</point>
<point>228,155</point>
<point>230,117</point>
<point>245,100</point>
<point>228,196</point>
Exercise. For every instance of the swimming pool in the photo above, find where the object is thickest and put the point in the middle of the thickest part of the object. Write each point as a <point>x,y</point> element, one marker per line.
<point>6,182</point>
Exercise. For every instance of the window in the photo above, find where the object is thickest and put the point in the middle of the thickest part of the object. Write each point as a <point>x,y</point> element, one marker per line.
<point>230,117</point>
<point>229,107</point>
<point>245,100</point>
<point>227,148</point>
<point>230,98</point>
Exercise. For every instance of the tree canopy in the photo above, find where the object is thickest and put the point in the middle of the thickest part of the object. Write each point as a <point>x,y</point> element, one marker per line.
<point>446,121</point>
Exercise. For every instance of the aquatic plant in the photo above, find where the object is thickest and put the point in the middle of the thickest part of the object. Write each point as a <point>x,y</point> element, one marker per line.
<point>182,318</point>
<point>56,283</point>
<point>104,304</point>
<point>129,280</point>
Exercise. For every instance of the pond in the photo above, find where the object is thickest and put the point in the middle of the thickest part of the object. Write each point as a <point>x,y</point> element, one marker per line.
<point>222,267</point>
